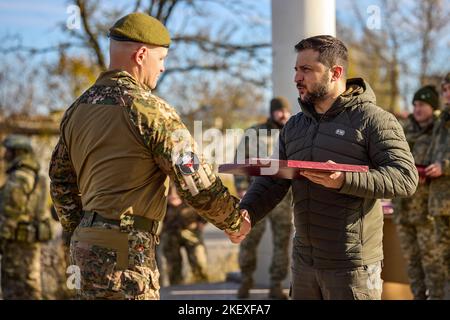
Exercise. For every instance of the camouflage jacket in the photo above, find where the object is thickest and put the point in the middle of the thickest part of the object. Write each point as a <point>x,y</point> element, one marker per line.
<point>439,200</point>
<point>118,145</point>
<point>413,210</point>
<point>20,195</point>
<point>266,135</point>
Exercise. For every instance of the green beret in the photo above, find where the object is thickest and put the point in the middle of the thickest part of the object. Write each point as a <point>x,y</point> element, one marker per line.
<point>140,27</point>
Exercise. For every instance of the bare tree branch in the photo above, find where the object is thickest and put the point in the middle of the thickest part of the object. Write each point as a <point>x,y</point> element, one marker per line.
<point>137,5</point>
<point>92,39</point>
<point>169,11</point>
<point>205,41</point>
<point>213,67</point>
<point>36,51</point>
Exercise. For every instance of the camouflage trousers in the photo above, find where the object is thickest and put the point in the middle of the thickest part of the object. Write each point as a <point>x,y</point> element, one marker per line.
<point>281,221</point>
<point>192,241</point>
<point>424,259</point>
<point>442,225</point>
<point>21,271</point>
<point>115,265</point>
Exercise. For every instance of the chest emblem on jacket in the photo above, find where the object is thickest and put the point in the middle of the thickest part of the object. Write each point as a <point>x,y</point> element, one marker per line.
<point>340,132</point>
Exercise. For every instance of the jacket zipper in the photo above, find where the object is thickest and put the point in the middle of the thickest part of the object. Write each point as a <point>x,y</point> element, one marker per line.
<point>309,194</point>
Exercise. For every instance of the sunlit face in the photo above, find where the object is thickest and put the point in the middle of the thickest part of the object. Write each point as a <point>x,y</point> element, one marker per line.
<point>311,77</point>
<point>423,112</point>
<point>281,116</point>
<point>153,65</point>
<point>446,93</point>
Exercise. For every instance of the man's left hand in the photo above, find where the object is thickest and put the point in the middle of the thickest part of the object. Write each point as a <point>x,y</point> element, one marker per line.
<point>434,170</point>
<point>333,180</point>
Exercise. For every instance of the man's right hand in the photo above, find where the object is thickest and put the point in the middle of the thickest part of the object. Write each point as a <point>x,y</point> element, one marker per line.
<point>237,237</point>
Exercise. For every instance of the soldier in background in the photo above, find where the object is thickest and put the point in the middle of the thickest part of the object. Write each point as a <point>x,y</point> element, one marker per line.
<point>439,173</point>
<point>54,263</point>
<point>280,217</point>
<point>23,224</point>
<point>414,223</point>
<point>183,228</point>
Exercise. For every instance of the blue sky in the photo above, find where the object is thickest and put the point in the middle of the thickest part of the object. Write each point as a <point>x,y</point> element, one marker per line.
<point>35,21</point>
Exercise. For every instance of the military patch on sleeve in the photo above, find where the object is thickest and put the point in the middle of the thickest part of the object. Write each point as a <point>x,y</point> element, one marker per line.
<point>188,163</point>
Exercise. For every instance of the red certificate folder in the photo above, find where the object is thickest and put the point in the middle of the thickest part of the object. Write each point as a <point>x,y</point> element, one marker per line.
<point>421,171</point>
<point>285,169</point>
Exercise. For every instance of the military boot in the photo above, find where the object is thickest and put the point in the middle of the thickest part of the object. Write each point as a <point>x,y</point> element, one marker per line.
<point>244,289</point>
<point>276,292</point>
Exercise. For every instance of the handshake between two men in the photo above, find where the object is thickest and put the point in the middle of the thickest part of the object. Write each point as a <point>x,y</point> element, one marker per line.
<point>332,180</point>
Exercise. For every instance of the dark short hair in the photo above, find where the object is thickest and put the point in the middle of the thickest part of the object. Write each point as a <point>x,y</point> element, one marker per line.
<point>332,51</point>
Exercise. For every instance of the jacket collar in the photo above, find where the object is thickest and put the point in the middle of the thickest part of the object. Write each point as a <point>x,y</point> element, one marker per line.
<point>116,76</point>
<point>357,91</point>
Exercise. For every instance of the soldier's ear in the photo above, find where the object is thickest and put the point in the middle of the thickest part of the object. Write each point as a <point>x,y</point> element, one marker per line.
<point>140,55</point>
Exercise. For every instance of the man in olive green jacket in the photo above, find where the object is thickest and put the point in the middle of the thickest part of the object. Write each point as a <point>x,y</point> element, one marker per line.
<point>337,247</point>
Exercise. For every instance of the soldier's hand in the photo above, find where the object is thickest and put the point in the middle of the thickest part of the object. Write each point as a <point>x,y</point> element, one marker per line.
<point>237,237</point>
<point>434,170</point>
<point>333,180</point>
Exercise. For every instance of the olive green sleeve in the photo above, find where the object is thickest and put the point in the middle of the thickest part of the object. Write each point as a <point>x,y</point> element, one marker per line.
<point>394,173</point>
<point>175,153</point>
<point>64,189</point>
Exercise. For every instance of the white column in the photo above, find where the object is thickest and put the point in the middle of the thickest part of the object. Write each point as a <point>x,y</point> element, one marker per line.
<point>292,21</point>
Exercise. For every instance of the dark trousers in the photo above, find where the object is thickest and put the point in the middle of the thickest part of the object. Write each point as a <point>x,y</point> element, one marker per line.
<point>362,283</point>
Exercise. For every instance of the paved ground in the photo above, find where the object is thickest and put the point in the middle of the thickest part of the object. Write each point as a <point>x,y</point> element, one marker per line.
<point>224,270</point>
<point>210,291</point>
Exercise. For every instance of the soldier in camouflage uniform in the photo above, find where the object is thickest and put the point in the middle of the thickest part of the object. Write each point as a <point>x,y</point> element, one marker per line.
<point>280,217</point>
<point>414,224</point>
<point>109,171</point>
<point>54,263</point>
<point>21,223</point>
<point>183,228</point>
<point>439,172</point>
